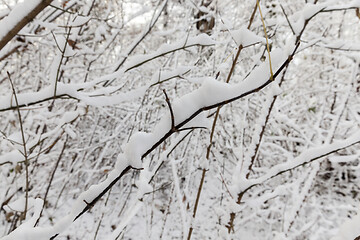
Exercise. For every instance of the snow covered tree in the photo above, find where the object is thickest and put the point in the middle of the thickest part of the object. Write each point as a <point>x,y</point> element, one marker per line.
<point>179,119</point>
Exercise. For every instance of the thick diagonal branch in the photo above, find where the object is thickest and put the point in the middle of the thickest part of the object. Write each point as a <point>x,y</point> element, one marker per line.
<point>22,22</point>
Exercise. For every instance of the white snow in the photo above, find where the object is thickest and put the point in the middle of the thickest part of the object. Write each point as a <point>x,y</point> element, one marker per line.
<point>245,37</point>
<point>79,21</point>
<point>304,157</point>
<point>12,157</point>
<point>349,229</point>
<point>19,204</point>
<point>25,230</point>
<point>20,11</point>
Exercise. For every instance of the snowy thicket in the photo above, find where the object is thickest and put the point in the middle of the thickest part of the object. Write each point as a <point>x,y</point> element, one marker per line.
<point>180,119</point>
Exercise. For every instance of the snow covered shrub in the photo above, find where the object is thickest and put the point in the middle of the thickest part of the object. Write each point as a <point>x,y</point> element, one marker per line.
<point>134,120</point>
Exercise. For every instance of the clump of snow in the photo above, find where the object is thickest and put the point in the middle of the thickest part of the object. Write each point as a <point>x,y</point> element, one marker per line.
<point>19,204</point>
<point>12,157</point>
<point>349,229</point>
<point>100,33</point>
<point>22,232</point>
<point>70,132</point>
<point>245,37</point>
<point>79,21</point>
<point>136,147</point>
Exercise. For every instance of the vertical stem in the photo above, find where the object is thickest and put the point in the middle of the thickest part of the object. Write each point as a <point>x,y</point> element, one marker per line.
<point>61,59</point>
<point>214,125</point>
<point>267,41</point>
<point>24,146</point>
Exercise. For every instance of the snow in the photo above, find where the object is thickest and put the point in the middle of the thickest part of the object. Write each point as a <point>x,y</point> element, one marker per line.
<point>299,198</point>
<point>99,33</point>
<point>353,46</point>
<point>245,37</point>
<point>19,204</point>
<point>133,210</point>
<point>79,21</point>
<point>344,159</point>
<point>49,26</point>
<point>349,229</point>
<point>293,136</point>
<point>304,157</point>
<point>12,157</point>
<point>202,40</point>
<point>211,92</point>
<point>136,147</point>
<point>20,11</point>
<point>299,18</point>
<point>70,132</point>
<point>26,231</point>
<point>179,195</point>
<point>72,90</point>
<point>351,4</point>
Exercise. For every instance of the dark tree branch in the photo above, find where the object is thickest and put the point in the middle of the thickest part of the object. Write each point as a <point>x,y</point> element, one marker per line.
<point>287,19</point>
<point>170,109</point>
<point>28,18</point>
<point>196,113</point>
<point>299,165</point>
<point>36,102</point>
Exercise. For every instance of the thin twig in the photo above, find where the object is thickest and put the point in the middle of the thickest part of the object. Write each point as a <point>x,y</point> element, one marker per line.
<point>267,40</point>
<point>257,147</point>
<point>287,19</point>
<point>51,178</point>
<point>133,47</point>
<point>24,146</point>
<point>208,150</point>
<point>60,62</point>
<point>190,128</point>
<point>170,109</point>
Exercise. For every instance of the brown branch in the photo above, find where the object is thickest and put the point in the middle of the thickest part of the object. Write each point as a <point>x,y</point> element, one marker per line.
<point>178,126</point>
<point>151,25</point>
<point>287,19</point>
<point>51,179</point>
<point>93,202</point>
<point>208,150</point>
<point>299,165</point>
<point>28,18</point>
<point>170,109</point>
<point>257,147</point>
<point>36,102</point>
<point>240,195</point>
<point>177,144</point>
<point>24,147</point>
<point>171,131</point>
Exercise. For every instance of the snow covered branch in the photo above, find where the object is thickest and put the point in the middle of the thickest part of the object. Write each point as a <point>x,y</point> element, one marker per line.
<point>21,15</point>
<point>305,157</point>
<point>112,97</point>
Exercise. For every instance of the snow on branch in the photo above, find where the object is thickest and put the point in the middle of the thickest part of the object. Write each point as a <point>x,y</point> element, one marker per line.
<point>75,91</point>
<point>22,14</point>
<point>312,154</point>
<point>97,98</point>
<point>210,95</point>
<point>299,20</point>
<point>138,60</point>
